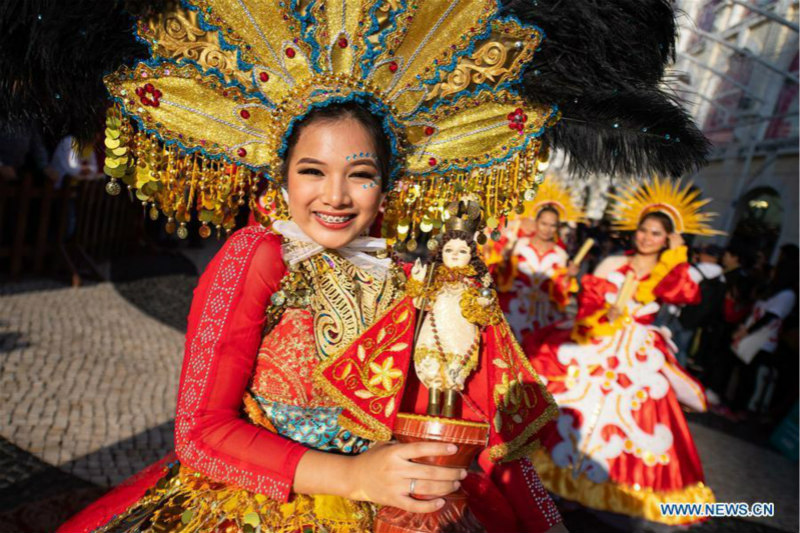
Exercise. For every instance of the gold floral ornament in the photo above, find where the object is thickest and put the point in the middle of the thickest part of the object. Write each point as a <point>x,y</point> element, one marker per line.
<point>384,374</point>
<point>680,203</point>
<point>206,118</point>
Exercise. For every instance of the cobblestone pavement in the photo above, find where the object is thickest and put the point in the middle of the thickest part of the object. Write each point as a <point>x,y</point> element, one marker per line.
<point>88,380</point>
<point>88,383</point>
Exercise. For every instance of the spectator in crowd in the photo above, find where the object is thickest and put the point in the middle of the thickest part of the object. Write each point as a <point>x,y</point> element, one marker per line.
<point>758,381</point>
<point>737,263</point>
<point>698,326</point>
<point>73,162</point>
<point>22,148</point>
<point>22,151</point>
<point>721,361</point>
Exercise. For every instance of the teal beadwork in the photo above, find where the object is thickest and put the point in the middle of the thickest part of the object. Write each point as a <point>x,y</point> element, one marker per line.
<point>315,427</point>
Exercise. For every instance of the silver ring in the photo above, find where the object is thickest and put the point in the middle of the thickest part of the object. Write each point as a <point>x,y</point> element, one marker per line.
<point>412,487</point>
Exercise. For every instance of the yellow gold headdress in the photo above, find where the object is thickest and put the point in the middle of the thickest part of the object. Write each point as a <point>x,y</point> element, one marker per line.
<point>228,80</point>
<point>552,194</point>
<point>681,204</point>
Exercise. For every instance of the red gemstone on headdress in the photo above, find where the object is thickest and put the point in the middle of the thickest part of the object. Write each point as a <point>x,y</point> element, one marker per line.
<point>148,87</point>
<point>517,120</point>
<point>343,42</point>
<point>432,161</point>
<point>263,77</point>
<point>139,92</point>
<point>242,152</point>
<point>244,113</point>
<point>290,53</point>
<point>429,130</point>
<point>393,66</point>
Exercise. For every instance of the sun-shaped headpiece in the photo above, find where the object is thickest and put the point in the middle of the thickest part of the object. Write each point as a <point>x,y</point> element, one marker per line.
<point>551,193</point>
<point>227,81</point>
<point>680,203</point>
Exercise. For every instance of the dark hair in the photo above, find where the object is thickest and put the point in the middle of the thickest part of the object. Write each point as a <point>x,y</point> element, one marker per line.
<point>741,252</point>
<point>665,220</point>
<point>711,249</point>
<point>548,209</point>
<point>476,262</point>
<point>343,111</point>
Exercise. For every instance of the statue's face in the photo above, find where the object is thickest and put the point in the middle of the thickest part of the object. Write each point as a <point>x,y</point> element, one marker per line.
<point>456,253</point>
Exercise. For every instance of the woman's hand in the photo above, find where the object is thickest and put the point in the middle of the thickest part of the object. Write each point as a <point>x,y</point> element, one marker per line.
<point>384,473</point>
<point>573,270</point>
<point>613,313</point>
<point>675,240</point>
<point>418,271</point>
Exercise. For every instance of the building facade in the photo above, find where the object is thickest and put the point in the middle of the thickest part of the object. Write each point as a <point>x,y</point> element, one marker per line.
<point>736,71</point>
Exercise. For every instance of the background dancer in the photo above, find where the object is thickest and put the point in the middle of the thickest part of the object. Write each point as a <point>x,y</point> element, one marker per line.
<point>622,443</point>
<point>534,280</point>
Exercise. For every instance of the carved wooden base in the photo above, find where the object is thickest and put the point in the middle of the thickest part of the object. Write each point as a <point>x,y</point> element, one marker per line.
<point>454,517</point>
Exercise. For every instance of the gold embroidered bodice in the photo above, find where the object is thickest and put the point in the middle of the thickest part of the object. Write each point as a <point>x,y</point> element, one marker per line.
<point>344,299</point>
<point>326,303</point>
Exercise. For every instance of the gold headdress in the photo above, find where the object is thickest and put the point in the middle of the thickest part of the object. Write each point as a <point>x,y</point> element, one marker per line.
<point>229,79</point>
<point>680,204</point>
<point>550,193</point>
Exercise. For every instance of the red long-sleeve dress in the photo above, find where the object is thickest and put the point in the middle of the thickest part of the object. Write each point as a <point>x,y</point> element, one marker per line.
<point>250,406</point>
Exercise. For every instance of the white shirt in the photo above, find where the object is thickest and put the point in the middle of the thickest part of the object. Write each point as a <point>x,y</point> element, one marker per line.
<point>779,305</point>
<point>702,271</point>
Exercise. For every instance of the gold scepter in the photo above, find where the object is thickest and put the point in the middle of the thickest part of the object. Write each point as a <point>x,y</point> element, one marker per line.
<point>626,291</point>
<point>587,245</point>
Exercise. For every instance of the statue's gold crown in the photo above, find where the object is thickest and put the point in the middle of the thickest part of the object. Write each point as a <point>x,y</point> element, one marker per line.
<point>464,215</point>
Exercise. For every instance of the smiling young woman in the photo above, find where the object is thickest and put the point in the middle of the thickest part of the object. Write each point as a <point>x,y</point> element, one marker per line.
<point>289,457</point>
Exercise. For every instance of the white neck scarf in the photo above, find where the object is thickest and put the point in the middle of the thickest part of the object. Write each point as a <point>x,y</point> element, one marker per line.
<point>302,247</point>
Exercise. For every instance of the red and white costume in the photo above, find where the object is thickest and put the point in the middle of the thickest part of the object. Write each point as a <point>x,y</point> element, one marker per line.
<point>623,444</point>
<point>533,288</point>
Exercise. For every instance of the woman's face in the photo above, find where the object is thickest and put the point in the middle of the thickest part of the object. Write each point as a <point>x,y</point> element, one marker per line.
<point>547,226</point>
<point>456,253</point>
<point>334,185</point>
<point>650,237</point>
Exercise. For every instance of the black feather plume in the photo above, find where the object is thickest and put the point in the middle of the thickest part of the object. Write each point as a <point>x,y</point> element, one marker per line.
<point>601,63</point>
<point>633,133</point>
<point>53,55</point>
